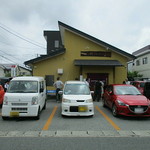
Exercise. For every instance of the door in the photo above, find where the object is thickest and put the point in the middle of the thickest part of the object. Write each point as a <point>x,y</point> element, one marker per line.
<point>93,77</point>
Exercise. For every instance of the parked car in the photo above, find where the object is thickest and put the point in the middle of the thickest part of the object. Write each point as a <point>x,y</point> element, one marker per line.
<point>126,100</point>
<point>25,97</point>
<point>77,99</point>
<point>1,95</point>
<point>139,85</point>
<point>147,90</point>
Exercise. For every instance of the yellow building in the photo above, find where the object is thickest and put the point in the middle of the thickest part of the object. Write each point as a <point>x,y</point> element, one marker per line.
<point>73,54</point>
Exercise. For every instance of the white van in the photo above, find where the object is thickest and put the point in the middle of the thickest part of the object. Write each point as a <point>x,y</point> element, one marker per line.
<point>25,97</point>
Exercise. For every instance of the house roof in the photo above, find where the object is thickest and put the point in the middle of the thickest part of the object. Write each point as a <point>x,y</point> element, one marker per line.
<point>97,63</point>
<point>44,57</point>
<point>62,28</point>
<point>142,51</point>
<point>7,66</point>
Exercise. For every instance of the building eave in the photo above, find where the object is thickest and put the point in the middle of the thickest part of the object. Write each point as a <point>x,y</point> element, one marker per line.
<point>80,62</point>
<point>45,57</point>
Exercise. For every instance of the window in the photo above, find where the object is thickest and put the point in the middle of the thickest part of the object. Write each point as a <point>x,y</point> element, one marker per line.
<point>137,62</point>
<point>145,61</point>
<point>56,44</point>
<point>42,85</point>
<point>76,89</point>
<point>49,80</point>
<point>23,87</point>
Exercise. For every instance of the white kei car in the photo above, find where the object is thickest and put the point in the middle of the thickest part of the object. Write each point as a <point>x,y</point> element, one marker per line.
<point>77,99</point>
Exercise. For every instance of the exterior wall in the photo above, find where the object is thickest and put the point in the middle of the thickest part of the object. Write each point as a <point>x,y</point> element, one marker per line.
<point>74,44</point>
<point>143,69</point>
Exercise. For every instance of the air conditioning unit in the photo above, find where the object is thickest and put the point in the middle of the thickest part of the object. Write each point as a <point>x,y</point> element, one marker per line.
<point>60,71</point>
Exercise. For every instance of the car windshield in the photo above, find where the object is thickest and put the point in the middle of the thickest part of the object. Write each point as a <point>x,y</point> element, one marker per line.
<point>76,89</point>
<point>23,87</point>
<point>126,90</point>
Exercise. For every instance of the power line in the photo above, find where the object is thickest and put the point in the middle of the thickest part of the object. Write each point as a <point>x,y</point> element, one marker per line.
<point>6,27</point>
<point>11,45</point>
<point>21,37</point>
<point>8,54</point>
<point>12,56</point>
<point>8,59</point>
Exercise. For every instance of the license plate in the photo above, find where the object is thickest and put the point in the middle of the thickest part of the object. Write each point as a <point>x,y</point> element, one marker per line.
<point>14,114</point>
<point>82,108</point>
<point>138,110</point>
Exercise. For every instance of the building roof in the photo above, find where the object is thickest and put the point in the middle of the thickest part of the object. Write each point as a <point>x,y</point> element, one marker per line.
<point>62,28</point>
<point>8,66</point>
<point>97,63</point>
<point>44,57</point>
<point>142,51</point>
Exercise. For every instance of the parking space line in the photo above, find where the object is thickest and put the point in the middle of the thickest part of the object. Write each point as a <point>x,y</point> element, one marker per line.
<point>47,124</point>
<point>107,118</point>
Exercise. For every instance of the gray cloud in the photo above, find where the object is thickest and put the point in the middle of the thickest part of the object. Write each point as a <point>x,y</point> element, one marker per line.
<point>122,23</point>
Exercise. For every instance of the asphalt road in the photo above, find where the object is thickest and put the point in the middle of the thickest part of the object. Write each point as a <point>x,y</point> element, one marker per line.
<point>52,131</point>
<point>51,120</point>
<point>78,143</point>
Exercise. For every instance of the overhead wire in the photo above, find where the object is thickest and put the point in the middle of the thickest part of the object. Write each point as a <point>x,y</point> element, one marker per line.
<point>11,45</point>
<point>8,59</point>
<point>20,36</point>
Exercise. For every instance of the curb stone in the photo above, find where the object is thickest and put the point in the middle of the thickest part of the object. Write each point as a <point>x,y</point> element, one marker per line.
<point>104,133</point>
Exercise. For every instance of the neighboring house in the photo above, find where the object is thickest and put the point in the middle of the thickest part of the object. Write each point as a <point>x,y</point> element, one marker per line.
<point>2,74</point>
<point>73,54</point>
<point>22,71</point>
<point>13,70</point>
<point>142,62</point>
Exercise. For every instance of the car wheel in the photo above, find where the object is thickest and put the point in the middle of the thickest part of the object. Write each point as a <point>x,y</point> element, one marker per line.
<point>44,105</point>
<point>103,102</point>
<point>63,115</point>
<point>4,118</point>
<point>38,114</point>
<point>114,111</point>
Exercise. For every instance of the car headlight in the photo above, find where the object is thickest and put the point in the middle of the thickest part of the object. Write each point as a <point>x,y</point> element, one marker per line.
<point>121,103</point>
<point>34,101</point>
<point>5,102</point>
<point>66,100</point>
<point>89,101</point>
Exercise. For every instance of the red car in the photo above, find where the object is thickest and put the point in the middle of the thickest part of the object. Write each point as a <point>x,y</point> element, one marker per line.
<point>1,94</point>
<point>126,100</point>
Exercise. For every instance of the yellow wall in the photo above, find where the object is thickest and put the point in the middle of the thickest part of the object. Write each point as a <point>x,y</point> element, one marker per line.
<point>74,44</point>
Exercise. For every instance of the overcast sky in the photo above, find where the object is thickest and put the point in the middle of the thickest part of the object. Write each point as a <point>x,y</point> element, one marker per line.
<point>124,24</point>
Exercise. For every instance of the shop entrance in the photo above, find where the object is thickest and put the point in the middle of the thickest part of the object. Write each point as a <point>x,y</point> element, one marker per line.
<point>93,77</point>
